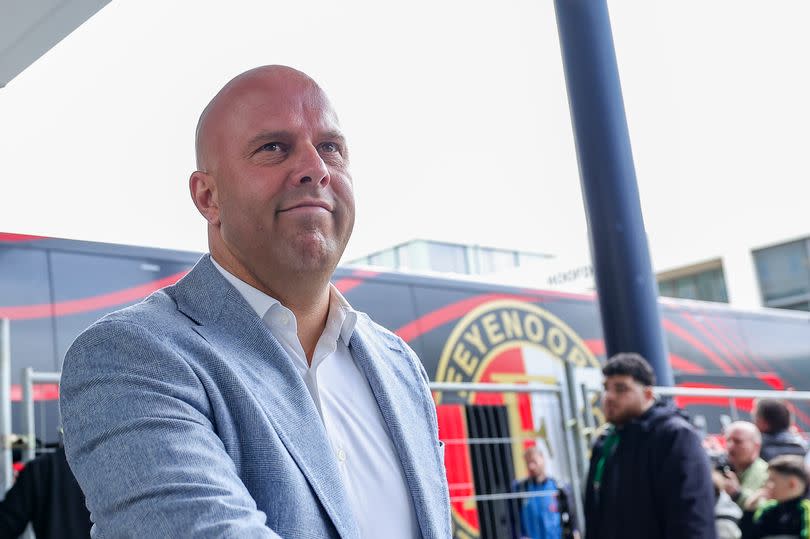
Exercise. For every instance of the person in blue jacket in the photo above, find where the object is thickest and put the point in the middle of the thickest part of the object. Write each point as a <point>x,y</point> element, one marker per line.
<point>545,506</point>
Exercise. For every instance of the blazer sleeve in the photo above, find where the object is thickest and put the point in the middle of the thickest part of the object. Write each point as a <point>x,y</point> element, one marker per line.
<point>140,439</point>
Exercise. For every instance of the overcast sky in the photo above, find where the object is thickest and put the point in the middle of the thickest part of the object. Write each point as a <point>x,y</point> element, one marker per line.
<point>455,110</point>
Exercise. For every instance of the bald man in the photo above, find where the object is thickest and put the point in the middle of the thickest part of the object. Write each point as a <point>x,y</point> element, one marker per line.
<point>250,399</point>
<point>750,472</point>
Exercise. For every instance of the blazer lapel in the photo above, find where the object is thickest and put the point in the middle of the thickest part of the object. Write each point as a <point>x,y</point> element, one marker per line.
<point>395,384</point>
<point>238,335</point>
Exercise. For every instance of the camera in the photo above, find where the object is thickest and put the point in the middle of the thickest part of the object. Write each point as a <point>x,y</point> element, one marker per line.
<point>720,462</point>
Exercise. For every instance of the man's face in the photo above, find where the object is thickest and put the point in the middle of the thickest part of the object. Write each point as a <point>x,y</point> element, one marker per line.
<point>742,448</point>
<point>536,464</point>
<point>781,487</point>
<point>624,398</point>
<point>284,197</point>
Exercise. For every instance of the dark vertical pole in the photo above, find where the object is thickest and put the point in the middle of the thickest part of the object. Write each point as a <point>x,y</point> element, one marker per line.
<point>624,280</point>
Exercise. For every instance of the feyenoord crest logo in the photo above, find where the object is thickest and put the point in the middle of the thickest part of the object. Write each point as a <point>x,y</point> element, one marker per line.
<point>504,341</point>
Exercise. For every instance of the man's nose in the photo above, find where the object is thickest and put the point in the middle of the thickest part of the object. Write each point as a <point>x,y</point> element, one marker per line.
<point>310,168</point>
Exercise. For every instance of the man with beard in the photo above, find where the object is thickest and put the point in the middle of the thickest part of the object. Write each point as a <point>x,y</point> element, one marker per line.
<point>649,475</point>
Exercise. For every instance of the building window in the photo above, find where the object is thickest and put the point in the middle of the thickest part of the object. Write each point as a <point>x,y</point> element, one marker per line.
<point>447,258</point>
<point>443,257</point>
<point>496,260</point>
<point>705,285</point>
<point>784,275</point>
<point>385,259</point>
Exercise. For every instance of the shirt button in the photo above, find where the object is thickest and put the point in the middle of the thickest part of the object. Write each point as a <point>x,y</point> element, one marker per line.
<point>341,455</point>
<point>281,319</point>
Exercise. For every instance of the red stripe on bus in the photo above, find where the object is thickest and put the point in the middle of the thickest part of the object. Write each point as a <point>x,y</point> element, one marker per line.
<point>744,404</point>
<point>367,274</point>
<point>42,392</point>
<point>93,303</point>
<point>558,294</point>
<point>596,346</point>
<point>430,321</point>
<point>715,341</point>
<point>677,330</point>
<point>8,237</point>
<point>736,347</point>
<point>684,365</point>
<point>771,379</point>
<point>344,285</point>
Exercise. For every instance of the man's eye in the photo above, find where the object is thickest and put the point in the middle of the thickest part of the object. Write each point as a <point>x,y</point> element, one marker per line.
<point>330,147</point>
<point>271,147</point>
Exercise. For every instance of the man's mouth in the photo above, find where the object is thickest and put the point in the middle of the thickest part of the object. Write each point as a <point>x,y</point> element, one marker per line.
<point>314,206</point>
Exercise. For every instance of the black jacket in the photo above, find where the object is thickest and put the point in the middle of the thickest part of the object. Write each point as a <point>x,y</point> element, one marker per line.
<point>785,519</point>
<point>655,485</point>
<point>47,495</point>
<point>781,443</point>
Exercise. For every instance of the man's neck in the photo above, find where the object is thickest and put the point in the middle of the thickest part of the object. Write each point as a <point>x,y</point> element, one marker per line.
<point>311,319</point>
<point>305,294</point>
<point>310,305</point>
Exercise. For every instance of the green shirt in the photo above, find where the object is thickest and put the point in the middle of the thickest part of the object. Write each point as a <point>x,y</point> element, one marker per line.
<point>751,480</point>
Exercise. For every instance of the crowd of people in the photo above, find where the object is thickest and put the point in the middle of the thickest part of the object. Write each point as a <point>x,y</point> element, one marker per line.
<point>651,475</point>
<point>760,475</point>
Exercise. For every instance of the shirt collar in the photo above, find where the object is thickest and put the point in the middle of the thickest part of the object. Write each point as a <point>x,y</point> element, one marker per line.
<point>340,307</point>
<point>261,303</point>
<point>257,299</point>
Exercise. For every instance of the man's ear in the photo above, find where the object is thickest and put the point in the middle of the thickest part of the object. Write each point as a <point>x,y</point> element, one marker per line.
<point>203,190</point>
<point>648,393</point>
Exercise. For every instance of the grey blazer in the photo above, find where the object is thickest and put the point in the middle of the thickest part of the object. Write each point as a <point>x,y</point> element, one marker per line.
<point>184,417</point>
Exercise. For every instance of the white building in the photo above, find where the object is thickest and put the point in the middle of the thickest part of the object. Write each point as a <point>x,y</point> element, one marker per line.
<point>775,274</point>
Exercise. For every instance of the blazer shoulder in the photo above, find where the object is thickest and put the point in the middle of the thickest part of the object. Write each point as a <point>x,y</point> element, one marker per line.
<point>156,318</point>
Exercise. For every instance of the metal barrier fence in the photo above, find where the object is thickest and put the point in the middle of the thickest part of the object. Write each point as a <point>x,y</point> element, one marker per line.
<point>487,502</point>
<point>30,378</point>
<point>6,475</point>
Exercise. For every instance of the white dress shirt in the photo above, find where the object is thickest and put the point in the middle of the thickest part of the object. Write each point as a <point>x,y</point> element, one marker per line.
<point>371,470</point>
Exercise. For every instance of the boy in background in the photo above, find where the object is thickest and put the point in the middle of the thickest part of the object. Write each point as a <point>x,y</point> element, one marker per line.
<point>787,513</point>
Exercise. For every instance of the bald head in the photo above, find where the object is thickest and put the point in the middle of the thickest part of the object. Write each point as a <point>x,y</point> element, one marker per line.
<point>535,463</point>
<point>743,442</point>
<point>266,80</point>
<point>746,429</point>
<point>273,183</point>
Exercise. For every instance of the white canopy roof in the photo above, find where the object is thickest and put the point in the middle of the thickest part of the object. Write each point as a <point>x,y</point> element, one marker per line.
<point>29,28</point>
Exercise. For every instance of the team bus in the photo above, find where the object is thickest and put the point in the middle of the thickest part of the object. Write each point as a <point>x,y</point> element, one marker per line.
<point>51,289</point>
